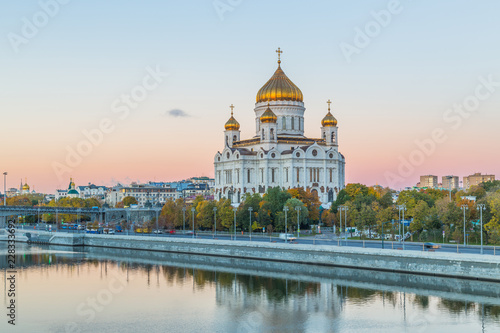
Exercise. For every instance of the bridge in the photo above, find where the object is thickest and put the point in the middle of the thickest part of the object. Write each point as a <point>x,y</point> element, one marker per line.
<point>95,212</point>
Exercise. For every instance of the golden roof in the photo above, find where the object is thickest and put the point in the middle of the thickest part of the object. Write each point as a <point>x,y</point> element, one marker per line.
<point>279,88</point>
<point>329,119</point>
<point>232,124</point>
<point>268,116</point>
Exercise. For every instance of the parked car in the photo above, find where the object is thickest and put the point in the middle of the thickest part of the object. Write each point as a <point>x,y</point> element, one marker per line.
<point>157,231</point>
<point>429,245</point>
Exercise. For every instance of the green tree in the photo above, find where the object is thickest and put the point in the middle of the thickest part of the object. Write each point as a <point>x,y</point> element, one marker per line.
<point>128,200</point>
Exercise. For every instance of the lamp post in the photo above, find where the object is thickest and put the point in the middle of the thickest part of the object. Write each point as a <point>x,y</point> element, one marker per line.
<point>157,211</point>
<point>285,209</point>
<point>5,188</point>
<point>340,225</point>
<point>383,235</point>
<point>298,220</point>
<point>402,208</point>
<point>234,210</point>
<point>183,220</point>
<point>192,213</point>
<point>481,207</point>
<point>250,209</point>
<point>215,221</point>
<point>464,208</point>
<point>346,208</point>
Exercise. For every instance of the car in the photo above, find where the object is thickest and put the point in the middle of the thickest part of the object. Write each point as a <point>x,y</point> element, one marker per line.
<point>172,231</point>
<point>287,237</point>
<point>189,232</point>
<point>157,231</point>
<point>429,245</point>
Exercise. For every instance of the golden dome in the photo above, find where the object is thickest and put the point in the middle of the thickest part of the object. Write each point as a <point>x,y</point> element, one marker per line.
<point>268,116</point>
<point>232,124</point>
<point>26,187</point>
<point>279,88</point>
<point>329,119</point>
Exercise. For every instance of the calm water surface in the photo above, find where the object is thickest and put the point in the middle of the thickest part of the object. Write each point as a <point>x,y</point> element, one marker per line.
<point>98,290</point>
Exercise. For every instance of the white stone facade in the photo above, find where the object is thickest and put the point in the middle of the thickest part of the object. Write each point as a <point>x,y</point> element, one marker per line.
<point>279,155</point>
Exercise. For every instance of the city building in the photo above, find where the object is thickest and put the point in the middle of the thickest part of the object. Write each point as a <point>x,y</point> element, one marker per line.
<point>92,191</point>
<point>428,181</point>
<point>450,182</point>
<point>143,193</point>
<point>476,179</point>
<point>279,154</point>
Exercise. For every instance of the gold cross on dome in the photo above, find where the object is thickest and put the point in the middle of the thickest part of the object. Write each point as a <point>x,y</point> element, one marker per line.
<point>279,54</point>
<point>232,108</point>
<point>329,102</point>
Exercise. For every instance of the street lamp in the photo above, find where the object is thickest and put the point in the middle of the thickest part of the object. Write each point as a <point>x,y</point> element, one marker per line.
<point>346,208</point>
<point>183,220</point>
<point>383,236</point>
<point>285,209</point>
<point>340,224</point>
<point>215,221</point>
<point>192,212</point>
<point>250,223</point>
<point>5,188</point>
<point>234,210</point>
<point>481,207</point>
<point>298,220</point>
<point>157,211</point>
<point>464,207</point>
<point>402,208</point>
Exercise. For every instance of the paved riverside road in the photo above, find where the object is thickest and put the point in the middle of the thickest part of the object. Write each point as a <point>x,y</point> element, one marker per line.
<point>323,239</point>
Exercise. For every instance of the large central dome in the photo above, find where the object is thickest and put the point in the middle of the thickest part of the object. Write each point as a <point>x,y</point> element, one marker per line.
<point>279,88</point>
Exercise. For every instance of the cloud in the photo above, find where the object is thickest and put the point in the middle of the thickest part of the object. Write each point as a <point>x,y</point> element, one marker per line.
<point>176,113</point>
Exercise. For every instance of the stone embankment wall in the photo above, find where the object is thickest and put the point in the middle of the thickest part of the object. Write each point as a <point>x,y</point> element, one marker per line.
<point>467,266</point>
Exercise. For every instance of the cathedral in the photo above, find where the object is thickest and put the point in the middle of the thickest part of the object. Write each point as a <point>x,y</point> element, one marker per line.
<point>279,154</point>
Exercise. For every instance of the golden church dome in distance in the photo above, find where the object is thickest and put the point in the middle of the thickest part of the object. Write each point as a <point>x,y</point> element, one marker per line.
<point>232,124</point>
<point>329,119</point>
<point>268,116</point>
<point>279,87</point>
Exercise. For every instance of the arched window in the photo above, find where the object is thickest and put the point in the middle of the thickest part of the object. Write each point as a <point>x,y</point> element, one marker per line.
<point>263,135</point>
<point>333,137</point>
<point>324,136</point>
<point>283,121</point>
<point>293,123</point>
<point>272,134</point>
<point>234,138</point>
<point>227,140</point>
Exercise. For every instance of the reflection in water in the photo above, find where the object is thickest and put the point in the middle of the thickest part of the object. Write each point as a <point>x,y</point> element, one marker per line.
<point>184,298</point>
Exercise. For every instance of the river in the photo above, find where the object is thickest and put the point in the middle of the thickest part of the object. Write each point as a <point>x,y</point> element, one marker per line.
<point>103,290</point>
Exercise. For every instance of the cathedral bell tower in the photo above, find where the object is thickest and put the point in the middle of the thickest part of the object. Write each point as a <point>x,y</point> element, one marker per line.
<point>232,132</point>
<point>268,127</point>
<point>329,128</point>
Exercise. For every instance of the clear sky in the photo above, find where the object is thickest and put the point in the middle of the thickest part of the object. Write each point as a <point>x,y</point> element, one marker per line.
<point>395,70</point>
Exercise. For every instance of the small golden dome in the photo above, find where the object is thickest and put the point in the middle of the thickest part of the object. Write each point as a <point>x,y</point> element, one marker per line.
<point>232,124</point>
<point>268,116</point>
<point>279,88</point>
<point>26,187</point>
<point>329,119</point>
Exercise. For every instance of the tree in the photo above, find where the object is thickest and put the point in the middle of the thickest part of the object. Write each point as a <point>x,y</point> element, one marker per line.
<point>493,226</point>
<point>128,200</point>
<point>292,203</point>
<point>367,218</point>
